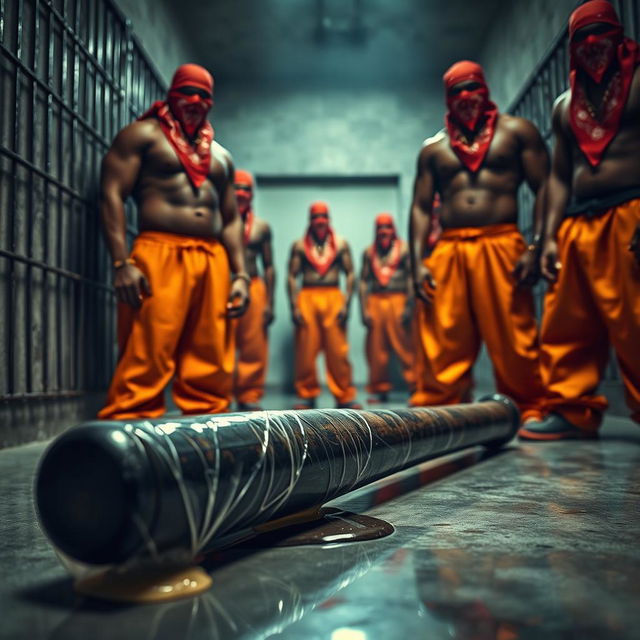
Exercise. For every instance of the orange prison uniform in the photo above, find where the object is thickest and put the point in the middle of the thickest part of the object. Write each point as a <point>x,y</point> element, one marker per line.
<point>419,358</point>
<point>181,329</point>
<point>594,303</point>
<point>319,307</point>
<point>252,345</point>
<point>476,299</point>
<point>386,333</point>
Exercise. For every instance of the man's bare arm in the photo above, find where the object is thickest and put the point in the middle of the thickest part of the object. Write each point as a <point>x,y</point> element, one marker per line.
<point>535,165</point>
<point>408,309</point>
<point>294,270</point>
<point>347,266</point>
<point>119,173</point>
<point>558,193</point>
<point>363,288</point>
<point>233,241</point>
<point>266,250</point>
<point>419,221</point>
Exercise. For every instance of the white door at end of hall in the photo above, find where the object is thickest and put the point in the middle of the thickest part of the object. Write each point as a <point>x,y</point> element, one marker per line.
<point>353,205</point>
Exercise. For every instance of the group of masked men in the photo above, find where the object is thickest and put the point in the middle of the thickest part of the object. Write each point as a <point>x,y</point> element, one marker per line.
<point>190,288</point>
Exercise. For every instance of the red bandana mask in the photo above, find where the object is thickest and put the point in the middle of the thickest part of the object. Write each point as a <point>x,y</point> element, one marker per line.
<point>183,116</point>
<point>468,107</point>
<point>468,110</point>
<point>320,241</point>
<point>243,182</point>
<point>595,55</point>
<point>387,243</point>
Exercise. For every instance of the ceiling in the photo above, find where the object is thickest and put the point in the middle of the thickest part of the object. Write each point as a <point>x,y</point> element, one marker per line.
<point>333,42</point>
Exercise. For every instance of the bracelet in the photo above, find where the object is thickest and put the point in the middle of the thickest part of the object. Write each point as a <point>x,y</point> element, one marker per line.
<point>241,276</point>
<point>535,243</point>
<point>118,264</point>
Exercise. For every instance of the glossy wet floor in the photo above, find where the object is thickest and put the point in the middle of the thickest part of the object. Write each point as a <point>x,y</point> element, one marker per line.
<point>537,541</point>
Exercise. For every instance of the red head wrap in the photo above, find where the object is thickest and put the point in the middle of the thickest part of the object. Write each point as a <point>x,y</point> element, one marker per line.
<point>463,71</point>
<point>243,182</point>
<point>192,75</point>
<point>594,55</point>
<point>469,109</point>
<point>387,245</point>
<point>591,12</point>
<point>242,178</point>
<point>318,207</point>
<point>320,232</point>
<point>183,118</point>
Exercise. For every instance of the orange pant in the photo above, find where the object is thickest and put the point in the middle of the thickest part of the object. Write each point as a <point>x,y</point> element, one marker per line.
<point>181,329</point>
<point>476,299</point>
<point>252,346</point>
<point>386,333</point>
<point>319,307</point>
<point>594,303</point>
<point>418,398</point>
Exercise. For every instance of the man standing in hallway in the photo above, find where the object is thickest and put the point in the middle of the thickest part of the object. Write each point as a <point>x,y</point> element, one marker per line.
<point>386,304</point>
<point>251,331</point>
<point>320,310</point>
<point>176,295</point>
<point>591,252</point>
<point>476,283</point>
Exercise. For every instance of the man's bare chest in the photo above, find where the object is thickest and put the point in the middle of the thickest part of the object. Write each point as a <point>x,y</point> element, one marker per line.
<point>502,156</point>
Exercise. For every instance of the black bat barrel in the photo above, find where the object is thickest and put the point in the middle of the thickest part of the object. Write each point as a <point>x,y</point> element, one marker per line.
<point>109,492</point>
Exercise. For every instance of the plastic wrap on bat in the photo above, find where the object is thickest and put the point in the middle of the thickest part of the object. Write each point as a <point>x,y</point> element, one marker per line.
<point>108,492</point>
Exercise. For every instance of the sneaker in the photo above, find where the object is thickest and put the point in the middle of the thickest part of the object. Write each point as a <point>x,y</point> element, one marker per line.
<point>249,406</point>
<point>554,427</point>
<point>305,403</point>
<point>348,405</point>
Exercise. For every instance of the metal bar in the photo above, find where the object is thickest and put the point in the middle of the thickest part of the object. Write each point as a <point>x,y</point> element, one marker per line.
<point>73,35</point>
<point>62,187</point>
<point>46,185</point>
<point>12,297</point>
<point>28,289</point>
<point>84,41</point>
<point>43,395</point>
<point>43,174</point>
<point>58,271</point>
<point>60,100</point>
<point>2,20</point>
<point>184,485</point>
<point>60,209</point>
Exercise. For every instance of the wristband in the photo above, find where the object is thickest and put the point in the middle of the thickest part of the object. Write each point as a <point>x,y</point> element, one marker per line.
<point>118,264</point>
<point>241,276</point>
<point>535,243</point>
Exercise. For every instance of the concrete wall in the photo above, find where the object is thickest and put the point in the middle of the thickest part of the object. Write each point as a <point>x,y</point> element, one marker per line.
<point>159,33</point>
<point>518,40</point>
<point>332,132</point>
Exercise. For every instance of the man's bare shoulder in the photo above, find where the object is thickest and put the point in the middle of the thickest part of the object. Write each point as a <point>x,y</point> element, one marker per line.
<point>561,104</point>
<point>219,153</point>
<point>433,144</point>
<point>262,228</point>
<point>341,244</point>
<point>519,126</point>
<point>138,135</point>
<point>298,246</point>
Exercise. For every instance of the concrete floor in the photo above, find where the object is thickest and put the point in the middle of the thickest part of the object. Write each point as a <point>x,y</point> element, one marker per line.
<point>537,541</point>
